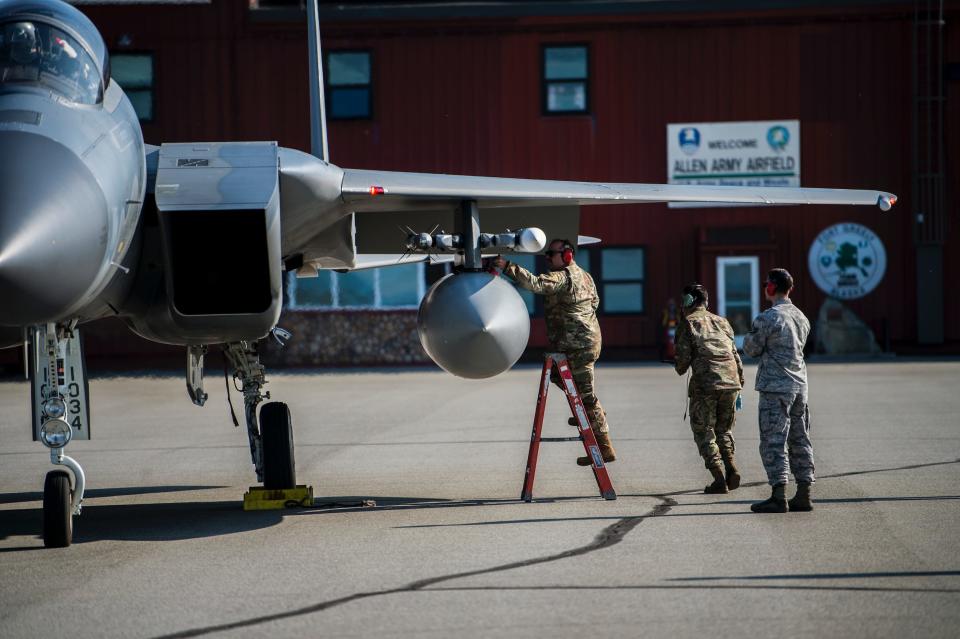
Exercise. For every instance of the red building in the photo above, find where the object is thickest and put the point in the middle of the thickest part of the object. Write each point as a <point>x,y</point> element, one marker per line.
<point>585,91</point>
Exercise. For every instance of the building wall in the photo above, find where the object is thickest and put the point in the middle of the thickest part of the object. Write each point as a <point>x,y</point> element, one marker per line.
<point>463,96</point>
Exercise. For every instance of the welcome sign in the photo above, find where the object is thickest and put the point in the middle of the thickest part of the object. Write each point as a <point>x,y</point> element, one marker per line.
<point>759,153</point>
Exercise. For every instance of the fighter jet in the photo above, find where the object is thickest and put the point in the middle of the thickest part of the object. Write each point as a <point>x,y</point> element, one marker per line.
<point>187,242</point>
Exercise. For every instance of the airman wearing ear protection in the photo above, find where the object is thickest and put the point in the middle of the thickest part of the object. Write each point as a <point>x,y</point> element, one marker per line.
<point>570,307</point>
<point>705,345</point>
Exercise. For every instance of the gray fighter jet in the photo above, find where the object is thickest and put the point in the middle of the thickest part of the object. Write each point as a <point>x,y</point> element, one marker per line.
<point>187,242</point>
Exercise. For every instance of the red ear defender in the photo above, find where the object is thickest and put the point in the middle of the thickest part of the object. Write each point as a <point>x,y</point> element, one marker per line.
<point>567,256</point>
<point>771,289</point>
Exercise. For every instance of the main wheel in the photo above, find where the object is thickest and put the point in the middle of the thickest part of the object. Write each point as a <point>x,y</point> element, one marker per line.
<point>276,433</point>
<point>57,520</point>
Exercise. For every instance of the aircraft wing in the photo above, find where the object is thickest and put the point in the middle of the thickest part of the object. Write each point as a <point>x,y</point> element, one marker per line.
<point>367,190</point>
<point>333,217</point>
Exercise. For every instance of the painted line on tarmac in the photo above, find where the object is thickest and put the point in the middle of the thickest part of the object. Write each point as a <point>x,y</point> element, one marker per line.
<point>703,587</point>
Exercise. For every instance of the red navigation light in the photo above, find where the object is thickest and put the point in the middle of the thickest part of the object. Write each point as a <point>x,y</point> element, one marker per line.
<point>376,190</point>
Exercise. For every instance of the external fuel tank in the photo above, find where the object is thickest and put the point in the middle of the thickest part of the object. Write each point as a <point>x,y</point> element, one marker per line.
<point>473,324</point>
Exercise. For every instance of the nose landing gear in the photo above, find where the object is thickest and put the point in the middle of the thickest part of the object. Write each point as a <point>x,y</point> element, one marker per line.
<point>59,394</point>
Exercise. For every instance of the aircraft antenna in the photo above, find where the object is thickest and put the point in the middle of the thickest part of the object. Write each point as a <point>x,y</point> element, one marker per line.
<point>318,108</point>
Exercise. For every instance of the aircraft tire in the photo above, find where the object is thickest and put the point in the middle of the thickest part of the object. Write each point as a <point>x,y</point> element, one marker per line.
<point>57,520</point>
<point>276,432</point>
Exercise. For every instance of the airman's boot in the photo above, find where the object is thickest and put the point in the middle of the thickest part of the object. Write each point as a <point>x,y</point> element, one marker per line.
<point>606,450</point>
<point>801,501</point>
<point>719,485</point>
<point>777,503</point>
<point>733,473</point>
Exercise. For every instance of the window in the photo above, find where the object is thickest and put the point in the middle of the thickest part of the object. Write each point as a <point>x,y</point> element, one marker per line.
<point>34,54</point>
<point>529,262</point>
<point>738,295</point>
<point>621,279</point>
<point>348,92</point>
<point>536,264</point>
<point>134,73</point>
<point>566,79</point>
<point>390,287</point>
<point>583,259</point>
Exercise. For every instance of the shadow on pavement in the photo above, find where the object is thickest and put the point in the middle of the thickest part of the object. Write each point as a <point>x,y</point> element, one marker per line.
<point>837,500</point>
<point>544,520</point>
<point>145,522</point>
<point>93,493</point>
<point>835,575</point>
<point>332,505</point>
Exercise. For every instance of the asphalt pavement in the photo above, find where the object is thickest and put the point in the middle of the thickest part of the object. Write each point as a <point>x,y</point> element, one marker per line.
<point>163,548</point>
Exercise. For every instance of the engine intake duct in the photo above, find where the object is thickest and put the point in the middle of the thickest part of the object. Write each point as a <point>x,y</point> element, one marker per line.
<point>228,275</point>
<point>219,222</point>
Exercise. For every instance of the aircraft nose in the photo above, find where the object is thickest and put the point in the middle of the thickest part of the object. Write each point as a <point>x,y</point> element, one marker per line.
<point>53,229</point>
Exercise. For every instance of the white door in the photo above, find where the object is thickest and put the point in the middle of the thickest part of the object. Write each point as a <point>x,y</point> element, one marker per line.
<point>738,292</point>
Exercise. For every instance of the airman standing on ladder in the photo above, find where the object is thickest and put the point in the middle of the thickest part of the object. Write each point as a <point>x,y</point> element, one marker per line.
<point>706,345</point>
<point>570,308</point>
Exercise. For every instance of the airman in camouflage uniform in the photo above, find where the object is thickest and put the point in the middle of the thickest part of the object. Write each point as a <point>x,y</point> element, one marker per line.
<point>570,309</point>
<point>777,337</point>
<point>705,344</point>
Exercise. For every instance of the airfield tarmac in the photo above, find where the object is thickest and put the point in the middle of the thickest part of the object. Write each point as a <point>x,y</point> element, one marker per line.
<point>163,548</point>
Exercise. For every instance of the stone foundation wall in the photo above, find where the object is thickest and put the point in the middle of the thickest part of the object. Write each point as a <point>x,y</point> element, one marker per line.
<point>348,338</point>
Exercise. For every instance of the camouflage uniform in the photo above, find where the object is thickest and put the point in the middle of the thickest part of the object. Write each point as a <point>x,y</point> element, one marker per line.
<point>704,342</point>
<point>777,337</point>
<point>570,308</point>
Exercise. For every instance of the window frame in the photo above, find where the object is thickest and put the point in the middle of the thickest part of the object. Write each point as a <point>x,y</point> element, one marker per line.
<point>290,301</point>
<point>329,88</point>
<point>601,280</point>
<point>545,82</point>
<point>153,79</point>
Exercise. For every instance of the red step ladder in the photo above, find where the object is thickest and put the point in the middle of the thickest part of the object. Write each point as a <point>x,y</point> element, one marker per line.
<point>586,433</point>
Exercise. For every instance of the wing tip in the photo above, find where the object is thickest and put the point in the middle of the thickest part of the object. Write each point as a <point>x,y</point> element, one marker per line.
<point>886,201</point>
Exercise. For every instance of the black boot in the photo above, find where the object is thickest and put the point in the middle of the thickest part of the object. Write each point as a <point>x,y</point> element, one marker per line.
<point>777,503</point>
<point>801,501</point>
<point>733,473</point>
<point>719,485</point>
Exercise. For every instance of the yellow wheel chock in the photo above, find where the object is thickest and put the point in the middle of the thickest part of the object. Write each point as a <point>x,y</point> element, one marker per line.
<point>259,498</point>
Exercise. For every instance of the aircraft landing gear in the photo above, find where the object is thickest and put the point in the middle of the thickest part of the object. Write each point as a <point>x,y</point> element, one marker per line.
<point>59,394</point>
<point>271,438</point>
<point>57,518</point>
<point>276,433</point>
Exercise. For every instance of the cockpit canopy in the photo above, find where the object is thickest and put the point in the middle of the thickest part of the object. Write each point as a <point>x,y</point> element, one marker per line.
<point>50,45</point>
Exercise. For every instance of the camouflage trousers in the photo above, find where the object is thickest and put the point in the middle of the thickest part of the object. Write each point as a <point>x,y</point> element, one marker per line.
<point>712,416</point>
<point>581,368</point>
<point>785,435</point>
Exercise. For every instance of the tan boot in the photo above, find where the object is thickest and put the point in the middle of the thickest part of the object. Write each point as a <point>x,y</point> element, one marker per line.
<point>733,473</point>
<point>606,450</point>
<point>719,485</point>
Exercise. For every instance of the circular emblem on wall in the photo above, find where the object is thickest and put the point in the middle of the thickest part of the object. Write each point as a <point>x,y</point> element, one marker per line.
<point>847,260</point>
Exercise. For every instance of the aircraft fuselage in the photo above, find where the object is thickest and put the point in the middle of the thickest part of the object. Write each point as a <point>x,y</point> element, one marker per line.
<point>73,175</point>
